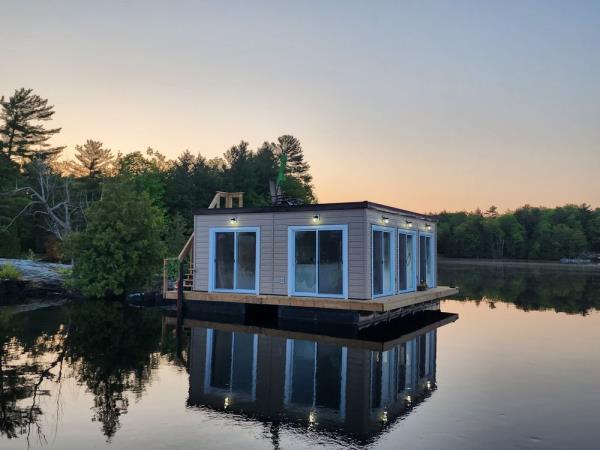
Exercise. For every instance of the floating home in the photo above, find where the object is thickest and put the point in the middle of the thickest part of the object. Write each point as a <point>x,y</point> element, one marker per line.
<point>345,263</point>
<point>320,383</point>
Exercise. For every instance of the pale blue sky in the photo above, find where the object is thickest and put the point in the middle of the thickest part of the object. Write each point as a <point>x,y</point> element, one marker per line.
<point>422,105</point>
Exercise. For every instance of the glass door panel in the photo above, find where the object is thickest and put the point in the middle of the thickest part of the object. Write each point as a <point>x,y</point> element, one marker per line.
<point>224,260</point>
<point>330,275</point>
<point>246,261</point>
<point>305,269</point>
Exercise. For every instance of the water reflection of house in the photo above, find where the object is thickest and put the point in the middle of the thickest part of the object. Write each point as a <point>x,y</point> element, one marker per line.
<point>353,386</point>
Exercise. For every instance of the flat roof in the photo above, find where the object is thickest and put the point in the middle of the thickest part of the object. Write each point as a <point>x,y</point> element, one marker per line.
<point>315,207</point>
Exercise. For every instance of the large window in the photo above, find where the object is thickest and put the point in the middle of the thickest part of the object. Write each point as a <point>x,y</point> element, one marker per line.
<point>230,364</point>
<point>407,261</point>
<point>317,261</point>
<point>234,255</point>
<point>315,375</point>
<point>382,261</point>
<point>426,259</point>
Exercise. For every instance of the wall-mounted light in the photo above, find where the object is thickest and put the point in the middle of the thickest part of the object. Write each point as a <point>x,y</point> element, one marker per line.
<point>384,417</point>
<point>227,402</point>
<point>233,220</point>
<point>385,219</point>
<point>312,417</point>
<point>316,218</point>
<point>408,399</point>
<point>427,226</point>
<point>409,224</point>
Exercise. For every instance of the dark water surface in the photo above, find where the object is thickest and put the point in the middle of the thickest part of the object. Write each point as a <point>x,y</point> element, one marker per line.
<point>518,368</point>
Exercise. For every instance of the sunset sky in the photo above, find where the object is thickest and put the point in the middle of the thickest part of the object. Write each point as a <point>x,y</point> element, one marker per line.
<point>421,105</point>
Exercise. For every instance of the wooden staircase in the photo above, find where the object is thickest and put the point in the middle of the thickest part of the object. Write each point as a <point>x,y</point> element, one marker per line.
<point>188,279</point>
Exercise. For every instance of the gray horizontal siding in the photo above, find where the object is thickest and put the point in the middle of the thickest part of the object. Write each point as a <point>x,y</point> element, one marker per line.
<point>375,217</point>
<point>274,246</point>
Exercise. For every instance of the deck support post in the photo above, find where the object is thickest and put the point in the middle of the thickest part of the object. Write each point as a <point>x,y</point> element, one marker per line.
<point>180,297</point>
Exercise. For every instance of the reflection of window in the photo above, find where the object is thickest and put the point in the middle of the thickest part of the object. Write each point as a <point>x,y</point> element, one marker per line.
<point>407,261</point>
<point>384,373</point>
<point>234,259</point>
<point>317,261</point>
<point>410,379</point>
<point>231,362</point>
<point>315,375</point>
<point>426,259</point>
<point>382,261</point>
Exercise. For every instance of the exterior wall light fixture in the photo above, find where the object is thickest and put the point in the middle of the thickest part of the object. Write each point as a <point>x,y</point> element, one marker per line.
<point>233,220</point>
<point>385,219</point>
<point>316,218</point>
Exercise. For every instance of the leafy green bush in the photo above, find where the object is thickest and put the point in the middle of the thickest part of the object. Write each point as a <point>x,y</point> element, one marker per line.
<point>9,272</point>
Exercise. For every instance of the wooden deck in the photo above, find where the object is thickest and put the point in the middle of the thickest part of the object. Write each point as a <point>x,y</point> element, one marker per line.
<point>383,304</point>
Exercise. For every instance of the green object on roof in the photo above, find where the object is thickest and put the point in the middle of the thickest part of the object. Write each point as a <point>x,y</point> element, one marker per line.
<point>281,173</point>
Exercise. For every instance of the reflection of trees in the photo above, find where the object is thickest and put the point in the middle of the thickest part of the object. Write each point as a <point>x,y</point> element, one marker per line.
<point>529,289</point>
<point>24,367</point>
<point>112,352</point>
<point>109,348</point>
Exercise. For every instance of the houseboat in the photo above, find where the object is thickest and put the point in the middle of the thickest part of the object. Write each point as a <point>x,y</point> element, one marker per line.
<point>352,263</point>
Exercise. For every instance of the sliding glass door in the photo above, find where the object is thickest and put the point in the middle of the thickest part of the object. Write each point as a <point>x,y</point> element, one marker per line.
<point>407,261</point>
<point>317,261</point>
<point>426,259</point>
<point>382,261</point>
<point>234,260</point>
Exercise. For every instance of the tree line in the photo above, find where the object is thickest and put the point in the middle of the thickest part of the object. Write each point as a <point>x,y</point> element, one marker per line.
<point>124,212</point>
<point>529,232</point>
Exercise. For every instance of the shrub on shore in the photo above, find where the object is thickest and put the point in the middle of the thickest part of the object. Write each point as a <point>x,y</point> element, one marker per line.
<point>9,272</point>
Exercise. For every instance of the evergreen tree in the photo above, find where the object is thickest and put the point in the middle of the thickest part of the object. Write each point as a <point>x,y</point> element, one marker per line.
<point>93,160</point>
<point>23,135</point>
<point>121,249</point>
<point>296,166</point>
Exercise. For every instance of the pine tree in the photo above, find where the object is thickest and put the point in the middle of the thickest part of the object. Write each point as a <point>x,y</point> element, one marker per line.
<point>291,147</point>
<point>23,136</point>
<point>93,160</point>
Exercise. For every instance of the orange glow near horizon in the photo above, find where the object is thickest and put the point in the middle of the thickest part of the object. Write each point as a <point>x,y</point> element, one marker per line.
<point>427,108</point>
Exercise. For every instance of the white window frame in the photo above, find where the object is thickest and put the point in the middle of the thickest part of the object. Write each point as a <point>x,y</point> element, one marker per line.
<point>212,255</point>
<point>289,350</point>
<point>292,260</point>
<point>415,259</point>
<point>432,256</point>
<point>393,251</point>
<point>208,364</point>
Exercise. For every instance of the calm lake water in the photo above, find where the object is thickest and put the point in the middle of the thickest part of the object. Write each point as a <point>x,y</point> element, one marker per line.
<point>519,367</point>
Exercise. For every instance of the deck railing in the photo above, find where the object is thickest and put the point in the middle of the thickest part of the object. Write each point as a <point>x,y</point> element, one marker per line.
<point>184,264</point>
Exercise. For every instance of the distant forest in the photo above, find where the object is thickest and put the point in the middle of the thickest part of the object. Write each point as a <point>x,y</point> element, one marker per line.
<point>529,232</point>
<point>46,198</point>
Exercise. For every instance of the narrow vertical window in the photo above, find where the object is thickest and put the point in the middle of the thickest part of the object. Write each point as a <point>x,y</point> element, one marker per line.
<point>407,270</point>
<point>382,262</point>
<point>426,260</point>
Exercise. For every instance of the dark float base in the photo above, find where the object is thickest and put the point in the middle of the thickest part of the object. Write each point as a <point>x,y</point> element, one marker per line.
<point>291,317</point>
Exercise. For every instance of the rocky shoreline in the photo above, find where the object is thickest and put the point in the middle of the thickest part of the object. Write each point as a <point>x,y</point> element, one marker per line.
<point>37,281</point>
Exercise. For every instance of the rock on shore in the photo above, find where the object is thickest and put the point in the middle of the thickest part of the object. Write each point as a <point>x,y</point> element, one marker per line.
<point>38,280</point>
